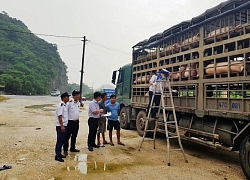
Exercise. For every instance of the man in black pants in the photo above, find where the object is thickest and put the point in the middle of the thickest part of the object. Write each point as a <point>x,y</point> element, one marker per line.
<point>94,116</point>
<point>73,107</point>
<point>61,121</point>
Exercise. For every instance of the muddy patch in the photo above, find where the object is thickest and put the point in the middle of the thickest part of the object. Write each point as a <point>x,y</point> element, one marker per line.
<point>2,98</point>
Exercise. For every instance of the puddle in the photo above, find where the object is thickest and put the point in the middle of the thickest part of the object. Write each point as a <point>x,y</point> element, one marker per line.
<point>23,152</point>
<point>86,167</point>
<point>56,178</point>
<point>82,165</point>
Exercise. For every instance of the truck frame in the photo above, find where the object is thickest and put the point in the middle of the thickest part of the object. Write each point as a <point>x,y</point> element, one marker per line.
<point>209,61</point>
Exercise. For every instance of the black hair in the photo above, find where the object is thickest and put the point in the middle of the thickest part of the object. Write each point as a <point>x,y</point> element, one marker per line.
<point>103,95</point>
<point>97,94</point>
<point>62,98</point>
<point>112,96</point>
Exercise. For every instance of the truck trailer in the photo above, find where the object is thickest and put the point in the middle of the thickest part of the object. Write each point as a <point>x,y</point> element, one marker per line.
<point>209,60</point>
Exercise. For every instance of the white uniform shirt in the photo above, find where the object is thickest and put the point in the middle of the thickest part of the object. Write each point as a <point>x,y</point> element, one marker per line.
<point>61,110</point>
<point>152,80</point>
<point>73,109</point>
<point>156,88</point>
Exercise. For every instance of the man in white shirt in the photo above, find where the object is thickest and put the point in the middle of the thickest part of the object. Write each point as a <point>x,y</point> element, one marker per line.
<point>155,88</point>
<point>73,107</point>
<point>61,121</point>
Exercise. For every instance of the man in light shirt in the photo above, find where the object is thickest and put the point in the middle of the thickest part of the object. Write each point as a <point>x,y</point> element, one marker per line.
<point>94,116</point>
<point>73,107</point>
<point>155,88</point>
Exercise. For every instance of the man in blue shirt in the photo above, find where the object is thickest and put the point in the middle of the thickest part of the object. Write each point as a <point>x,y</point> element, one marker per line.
<point>113,123</point>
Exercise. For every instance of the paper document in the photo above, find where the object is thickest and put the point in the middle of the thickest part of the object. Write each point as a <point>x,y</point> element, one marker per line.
<point>108,114</point>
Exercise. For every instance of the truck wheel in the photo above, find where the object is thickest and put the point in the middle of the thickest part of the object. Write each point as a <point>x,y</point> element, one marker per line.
<point>140,122</point>
<point>244,156</point>
<point>124,118</point>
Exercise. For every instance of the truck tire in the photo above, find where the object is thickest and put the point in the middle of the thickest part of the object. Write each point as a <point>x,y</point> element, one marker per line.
<point>140,122</point>
<point>124,118</point>
<point>244,156</point>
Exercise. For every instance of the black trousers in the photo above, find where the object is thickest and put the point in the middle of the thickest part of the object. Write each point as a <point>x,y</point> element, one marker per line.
<point>93,125</point>
<point>72,131</point>
<point>60,140</point>
<point>156,102</point>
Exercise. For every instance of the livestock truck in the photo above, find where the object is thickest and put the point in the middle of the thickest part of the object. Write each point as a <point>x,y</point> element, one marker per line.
<point>208,57</point>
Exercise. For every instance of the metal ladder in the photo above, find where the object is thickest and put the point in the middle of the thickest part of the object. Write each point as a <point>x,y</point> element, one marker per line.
<point>169,135</point>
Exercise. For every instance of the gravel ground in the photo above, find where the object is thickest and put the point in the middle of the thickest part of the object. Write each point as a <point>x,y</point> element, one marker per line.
<point>28,140</point>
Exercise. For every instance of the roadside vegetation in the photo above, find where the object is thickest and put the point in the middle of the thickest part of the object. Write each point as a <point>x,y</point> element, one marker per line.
<point>2,98</point>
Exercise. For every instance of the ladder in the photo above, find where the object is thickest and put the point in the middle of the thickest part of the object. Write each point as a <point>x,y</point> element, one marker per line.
<point>169,135</point>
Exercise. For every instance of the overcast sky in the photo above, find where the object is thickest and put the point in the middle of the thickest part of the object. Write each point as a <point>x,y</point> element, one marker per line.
<point>114,23</point>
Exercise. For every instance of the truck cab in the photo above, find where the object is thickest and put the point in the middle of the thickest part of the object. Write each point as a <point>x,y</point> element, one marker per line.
<point>122,79</point>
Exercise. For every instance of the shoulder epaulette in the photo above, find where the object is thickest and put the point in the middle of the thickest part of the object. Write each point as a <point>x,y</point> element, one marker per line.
<point>70,101</point>
<point>61,104</point>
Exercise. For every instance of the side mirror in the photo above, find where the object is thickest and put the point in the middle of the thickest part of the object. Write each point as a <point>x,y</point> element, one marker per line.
<point>113,77</point>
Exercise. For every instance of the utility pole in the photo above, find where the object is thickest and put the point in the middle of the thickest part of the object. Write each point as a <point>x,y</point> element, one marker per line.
<point>83,54</point>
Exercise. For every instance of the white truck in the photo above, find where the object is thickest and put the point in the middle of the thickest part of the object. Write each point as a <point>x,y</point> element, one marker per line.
<point>55,92</point>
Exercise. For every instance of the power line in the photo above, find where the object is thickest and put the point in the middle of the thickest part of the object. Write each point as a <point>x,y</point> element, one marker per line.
<point>70,37</point>
<point>110,48</point>
<point>103,50</point>
<point>100,64</point>
<point>42,34</point>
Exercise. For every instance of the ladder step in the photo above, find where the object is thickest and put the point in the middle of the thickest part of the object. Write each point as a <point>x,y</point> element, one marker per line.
<point>151,119</point>
<point>173,137</point>
<point>169,122</point>
<point>162,122</point>
<point>178,149</point>
<point>166,107</point>
<point>165,94</point>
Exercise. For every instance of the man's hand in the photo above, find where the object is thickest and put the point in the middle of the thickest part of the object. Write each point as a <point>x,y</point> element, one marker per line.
<point>62,129</point>
<point>101,110</point>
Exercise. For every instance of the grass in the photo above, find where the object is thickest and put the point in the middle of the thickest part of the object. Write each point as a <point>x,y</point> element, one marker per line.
<point>40,106</point>
<point>2,98</point>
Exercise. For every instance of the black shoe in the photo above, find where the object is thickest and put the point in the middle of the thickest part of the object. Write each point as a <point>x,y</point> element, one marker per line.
<point>62,156</point>
<point>95,146</point>
<point>59,159</point>
<point>65,153</point>
<point>74,150</point>
<point>90,148</point>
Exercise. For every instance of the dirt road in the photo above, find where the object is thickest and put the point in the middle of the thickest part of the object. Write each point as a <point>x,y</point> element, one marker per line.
<point>27,143</point>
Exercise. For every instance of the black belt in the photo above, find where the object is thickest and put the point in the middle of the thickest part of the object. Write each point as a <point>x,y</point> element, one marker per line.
<point>74,120</point>
<point>93,118</point>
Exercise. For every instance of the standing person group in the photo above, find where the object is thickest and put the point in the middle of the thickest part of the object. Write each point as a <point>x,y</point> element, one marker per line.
<point>67,124</point>
<point>97,120</point>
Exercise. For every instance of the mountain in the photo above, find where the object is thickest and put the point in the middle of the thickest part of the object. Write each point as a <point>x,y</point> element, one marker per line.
<point>28,64</point>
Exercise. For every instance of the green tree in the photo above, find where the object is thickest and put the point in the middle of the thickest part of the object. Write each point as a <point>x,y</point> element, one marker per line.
<point>28,64</point>
<point>85,88</point>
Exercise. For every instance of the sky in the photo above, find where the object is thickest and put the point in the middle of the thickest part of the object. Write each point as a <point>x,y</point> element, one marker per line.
<point>111,27</point>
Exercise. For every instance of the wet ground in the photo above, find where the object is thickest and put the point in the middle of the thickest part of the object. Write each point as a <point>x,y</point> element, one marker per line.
<point>28,139</point>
